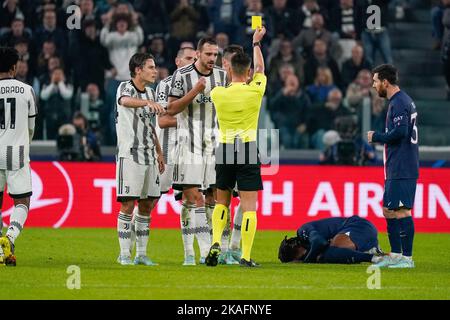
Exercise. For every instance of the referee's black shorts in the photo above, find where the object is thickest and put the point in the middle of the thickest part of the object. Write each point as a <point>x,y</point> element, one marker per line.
<point>238,164</point>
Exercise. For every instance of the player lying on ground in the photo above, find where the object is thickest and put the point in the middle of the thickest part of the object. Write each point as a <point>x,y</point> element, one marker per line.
<point>333,240</point>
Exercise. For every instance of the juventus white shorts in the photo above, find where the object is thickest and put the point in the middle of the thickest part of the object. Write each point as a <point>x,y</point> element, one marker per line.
<point>193,169</point>
<point>167,178</point>
<point>136,181</point>
<point>18,182</point>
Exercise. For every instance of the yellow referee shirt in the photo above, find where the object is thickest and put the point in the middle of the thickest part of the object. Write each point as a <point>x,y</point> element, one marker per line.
<point>237,107</point>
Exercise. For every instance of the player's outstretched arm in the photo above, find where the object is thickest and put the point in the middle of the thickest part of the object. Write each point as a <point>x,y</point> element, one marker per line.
<point>258,58</point>
<point>130,102</point>
<point>177,105</point>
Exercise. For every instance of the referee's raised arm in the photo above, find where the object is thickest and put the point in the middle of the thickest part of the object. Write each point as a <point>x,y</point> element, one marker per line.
<point>258,59</point>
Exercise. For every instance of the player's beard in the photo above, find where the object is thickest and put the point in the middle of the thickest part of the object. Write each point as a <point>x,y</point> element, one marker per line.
<point>382,92</point>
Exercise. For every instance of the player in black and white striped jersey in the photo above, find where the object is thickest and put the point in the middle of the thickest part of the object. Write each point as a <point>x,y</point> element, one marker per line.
<point>139,158</point>
<point>167,125</point>
<point>18,110</point>
<point>190,101</point>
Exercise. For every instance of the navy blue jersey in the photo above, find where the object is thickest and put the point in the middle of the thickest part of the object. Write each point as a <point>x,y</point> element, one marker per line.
<point>327,228</point>
<point>401,149</point>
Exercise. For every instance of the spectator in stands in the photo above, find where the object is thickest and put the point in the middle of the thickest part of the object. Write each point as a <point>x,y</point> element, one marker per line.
<point>321,118</point>
<point>359,90</point>
<point>224,15</point>
<point>56,106</point>
<point>22,47</point>
<point>121,44</point>
<point>290,107</point>
<point>50,31</point>
<point>89,145</point>
<point>323,84</point>
<point>157,48</point>
<point>308,9</point>
<point>277,82</point>
<point>305,40</point>
<point>376,39</point>
<point>319,58</point>
<point>10,10</point>
<point>87,10</point>
<point>222,42</point>
<point>285,21</point>
<point>92,106</point>
<point>184,21</point>
<point>437,12</point>
<point>52,63</point>
<point>48,50</point>
<point>154,16</point>
<point>286,54</point>
<point>354,65</point>
<point>89,58</point>
<point>16,32</point>
<point>24,75</point>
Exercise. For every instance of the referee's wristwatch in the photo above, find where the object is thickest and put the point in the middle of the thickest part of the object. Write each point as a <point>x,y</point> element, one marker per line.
<point>257,44</point>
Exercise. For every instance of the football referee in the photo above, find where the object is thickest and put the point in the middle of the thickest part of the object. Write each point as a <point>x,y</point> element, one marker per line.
<point>237,107</point>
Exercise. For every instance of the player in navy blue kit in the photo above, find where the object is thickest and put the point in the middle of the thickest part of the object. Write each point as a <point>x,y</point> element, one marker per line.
<point>333,240</point>
<point>401,166</point>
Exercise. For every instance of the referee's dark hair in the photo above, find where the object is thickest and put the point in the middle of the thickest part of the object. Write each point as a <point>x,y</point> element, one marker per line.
<point>205,40</point>
<point>8,59</point>
<point>387,72</point>
<point>240,63</point>
<point>232,49</point>
<point>138,61</point>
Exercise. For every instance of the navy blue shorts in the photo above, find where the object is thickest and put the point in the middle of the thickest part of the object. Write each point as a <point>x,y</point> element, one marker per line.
<point>362,233</point>
<point>399,193</point>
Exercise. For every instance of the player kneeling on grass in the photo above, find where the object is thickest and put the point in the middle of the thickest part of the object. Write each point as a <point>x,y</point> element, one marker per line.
<point>333,240</point>
<point>139,159</point>
<point>17,113</point>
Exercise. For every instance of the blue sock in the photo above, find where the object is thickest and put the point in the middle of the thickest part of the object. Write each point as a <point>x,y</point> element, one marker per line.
<point>407,235</point>
<point>343,255</point>
<point>393,230</point>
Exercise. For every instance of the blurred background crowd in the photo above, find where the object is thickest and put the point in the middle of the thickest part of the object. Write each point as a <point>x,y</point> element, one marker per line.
<point>319,54</point>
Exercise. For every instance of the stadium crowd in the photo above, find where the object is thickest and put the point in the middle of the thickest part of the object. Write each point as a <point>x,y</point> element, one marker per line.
<point>319,56</point>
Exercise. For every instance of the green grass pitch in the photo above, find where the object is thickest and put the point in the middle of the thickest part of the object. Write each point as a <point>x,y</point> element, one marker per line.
<point>43,256</point>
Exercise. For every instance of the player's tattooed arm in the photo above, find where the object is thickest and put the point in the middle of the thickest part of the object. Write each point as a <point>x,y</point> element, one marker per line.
<point>177,105</point>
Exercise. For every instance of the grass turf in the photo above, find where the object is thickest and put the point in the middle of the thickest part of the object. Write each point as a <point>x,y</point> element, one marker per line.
<point>43,256</point>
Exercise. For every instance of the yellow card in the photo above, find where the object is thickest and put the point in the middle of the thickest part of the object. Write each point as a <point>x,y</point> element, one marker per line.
<point>256,22</point>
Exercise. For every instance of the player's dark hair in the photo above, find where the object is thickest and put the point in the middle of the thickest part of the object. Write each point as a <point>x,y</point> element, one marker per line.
<point>287,250</point>
<point>181,51</point>
<point>232,49</point>
<point>387,72</point>
<point>138,61</point>
<point>240,63</point>
<point>8,58</point>
<point>205,40</point>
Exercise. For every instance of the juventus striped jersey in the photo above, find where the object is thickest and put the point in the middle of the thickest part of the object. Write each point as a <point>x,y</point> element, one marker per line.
<point>134,126</point>
<point>197,123</point>
<point>167,136</point>
<point>17,104</point>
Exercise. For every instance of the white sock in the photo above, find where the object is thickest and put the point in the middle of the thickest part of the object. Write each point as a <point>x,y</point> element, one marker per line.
<point>187,223</point>
<point>202,231</point>
<point>395,255</point>
<point>16,222</point>
<point>124,233</point>
<point>235,242</point>
<point>226,234</point>
<point>142,224</point>
<point>209,211</point>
